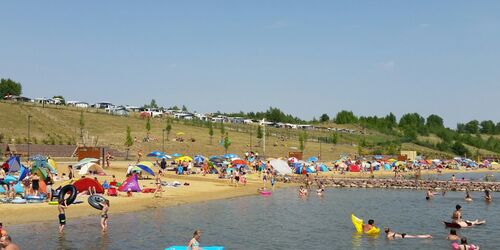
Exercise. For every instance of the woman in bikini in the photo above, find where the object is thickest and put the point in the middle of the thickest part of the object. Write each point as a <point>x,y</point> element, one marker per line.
<point>393,235</point>
<point>194,243</point>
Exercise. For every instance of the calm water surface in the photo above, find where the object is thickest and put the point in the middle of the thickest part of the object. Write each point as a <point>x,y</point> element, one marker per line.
<point>281,221</point>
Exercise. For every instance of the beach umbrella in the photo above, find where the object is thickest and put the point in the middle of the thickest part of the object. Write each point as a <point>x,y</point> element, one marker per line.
<point>239,162</point>
<point>378,157</point>
<point>230,156</point>
<point>52,163</point>
<point>23,172</point>
<point>38,157</point>
<point>392,160</point>
<point>215,159</point>
<point>14,164</point>
<point>184,158</point>
<point>312,159</point>
<point>85,161</point>
<point>155,154</point>
<point>164,156</point>
<point>179,133</point>
<point>145,166</point>
<point>199,158</point>
<point>176,155</point>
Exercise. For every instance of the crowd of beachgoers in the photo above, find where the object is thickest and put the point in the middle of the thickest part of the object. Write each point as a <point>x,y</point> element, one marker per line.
<point>40,181</point>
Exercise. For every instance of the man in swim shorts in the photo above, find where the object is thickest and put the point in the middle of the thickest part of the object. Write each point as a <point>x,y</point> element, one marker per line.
<point>62,216</point>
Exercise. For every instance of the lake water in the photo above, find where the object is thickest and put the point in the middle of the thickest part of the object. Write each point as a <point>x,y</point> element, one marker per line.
<point>280,221</point>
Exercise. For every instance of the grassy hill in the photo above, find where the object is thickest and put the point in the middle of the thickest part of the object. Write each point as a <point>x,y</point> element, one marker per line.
<point>60,125</point>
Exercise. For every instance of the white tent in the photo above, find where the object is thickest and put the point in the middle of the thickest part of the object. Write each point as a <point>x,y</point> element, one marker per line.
<point>91,167</point>
<point>281,166</point>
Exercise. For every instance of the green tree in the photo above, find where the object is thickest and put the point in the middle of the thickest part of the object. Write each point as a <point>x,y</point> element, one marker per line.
<point>260,135</point>
<point>434,122</point>
<point>334,138</point>
<point>211,131</point>
<point>184,108</point>
<point>151,104</point>
<point>487,127</point>
<point>128,141</point>
<point>82,124</point>
<point>302,141</point>
<point>222,129</point>
<point>148,125</point>
<point>345,117</point>
<point>472,127</point>
<point>227,142</point>
<point>8,86</point>
<point>324,118</point>
<point>459,149</point>
<point>168,128</point>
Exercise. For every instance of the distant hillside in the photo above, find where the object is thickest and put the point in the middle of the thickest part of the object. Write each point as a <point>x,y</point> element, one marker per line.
<point>60,125</point>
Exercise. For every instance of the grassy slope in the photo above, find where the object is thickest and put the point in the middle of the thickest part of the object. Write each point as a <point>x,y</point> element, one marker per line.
<point>110,131</point>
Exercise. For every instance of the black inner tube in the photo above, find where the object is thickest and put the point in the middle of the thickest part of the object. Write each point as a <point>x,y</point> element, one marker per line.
<point>95,201</point>
<point>68,189</point>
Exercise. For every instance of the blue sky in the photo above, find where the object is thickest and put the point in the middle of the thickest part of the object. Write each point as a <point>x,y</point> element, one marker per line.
<point>306,57</point>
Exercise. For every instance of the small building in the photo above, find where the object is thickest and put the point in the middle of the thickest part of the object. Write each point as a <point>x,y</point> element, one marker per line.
<point>103,105</point>
<point>77,104</point>
<point>410,155</point>
<point>120,111</point>
<point>18,98</point>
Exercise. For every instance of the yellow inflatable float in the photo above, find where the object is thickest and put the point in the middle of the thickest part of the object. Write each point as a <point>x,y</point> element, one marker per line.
<point>358,225</point>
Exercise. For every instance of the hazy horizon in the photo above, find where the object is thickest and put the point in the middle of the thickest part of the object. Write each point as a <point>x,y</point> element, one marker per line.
<point>305,58</point>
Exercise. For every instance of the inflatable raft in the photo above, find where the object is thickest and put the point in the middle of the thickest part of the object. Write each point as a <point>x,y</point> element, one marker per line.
<point>358,225</point>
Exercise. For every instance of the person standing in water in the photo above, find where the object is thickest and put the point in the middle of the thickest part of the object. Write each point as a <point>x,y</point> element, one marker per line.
<point>104,215</point>
<point>468,197</point>
<point>194,243</point>
<point>62,215</point>
<point>487,195</point>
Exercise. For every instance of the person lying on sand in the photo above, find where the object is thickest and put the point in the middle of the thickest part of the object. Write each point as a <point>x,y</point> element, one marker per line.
<point>393,235</point>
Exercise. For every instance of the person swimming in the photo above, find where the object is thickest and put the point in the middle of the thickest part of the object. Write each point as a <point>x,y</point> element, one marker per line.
<point>464,245</point>
<point>393,235</point>
<point>369,226</point>
<point>453,235</point>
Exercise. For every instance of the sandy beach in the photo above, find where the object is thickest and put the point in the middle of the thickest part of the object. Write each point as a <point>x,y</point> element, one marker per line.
<point>201,188</point>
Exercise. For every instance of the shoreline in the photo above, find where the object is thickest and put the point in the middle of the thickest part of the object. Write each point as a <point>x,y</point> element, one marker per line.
<point>201,189</point>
